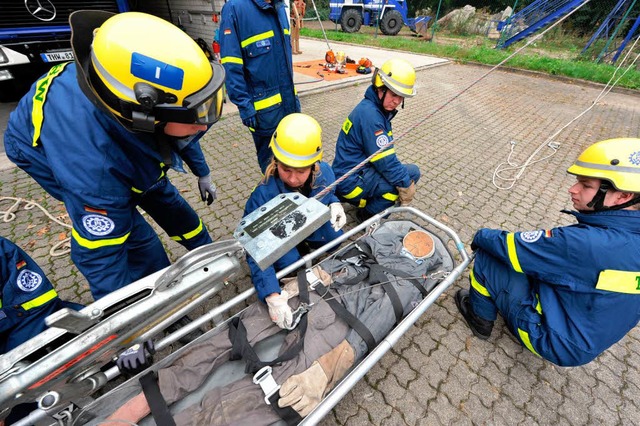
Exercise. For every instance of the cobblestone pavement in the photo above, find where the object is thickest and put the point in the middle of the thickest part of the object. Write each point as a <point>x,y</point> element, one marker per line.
<point>437,373</point>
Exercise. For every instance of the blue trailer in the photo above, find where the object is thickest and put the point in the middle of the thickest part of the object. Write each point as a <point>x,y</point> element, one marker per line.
<point>390,15</point>
<point>34,35</point>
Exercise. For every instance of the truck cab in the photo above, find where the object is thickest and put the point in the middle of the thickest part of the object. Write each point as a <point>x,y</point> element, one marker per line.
<point>35,35</point>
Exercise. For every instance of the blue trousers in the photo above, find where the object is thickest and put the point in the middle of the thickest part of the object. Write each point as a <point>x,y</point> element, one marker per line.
<point>262,149</point>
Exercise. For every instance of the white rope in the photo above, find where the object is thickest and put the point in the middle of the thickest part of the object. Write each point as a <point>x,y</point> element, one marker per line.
<point>9,215</point>
<point>508,167</point>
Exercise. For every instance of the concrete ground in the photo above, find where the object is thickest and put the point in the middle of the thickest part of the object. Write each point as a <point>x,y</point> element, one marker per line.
<point>437,373</point>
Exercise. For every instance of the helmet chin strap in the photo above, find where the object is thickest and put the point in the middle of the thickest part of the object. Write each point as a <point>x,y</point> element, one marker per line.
<point>597,203</point>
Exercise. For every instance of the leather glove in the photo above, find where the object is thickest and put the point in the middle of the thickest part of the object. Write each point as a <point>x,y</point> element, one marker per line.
<point>303,392</point>
<point>405,195</point>
<point>137,358</point>
<point>279,309</point>
<point>251,122</point>
<point>338,217</point>
<point>208,190</point>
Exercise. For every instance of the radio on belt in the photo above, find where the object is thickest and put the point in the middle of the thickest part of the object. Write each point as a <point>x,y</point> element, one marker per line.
<point>279,225</point>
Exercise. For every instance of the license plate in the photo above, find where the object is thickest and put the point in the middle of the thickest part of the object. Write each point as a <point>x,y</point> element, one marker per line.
<point>65,55</point>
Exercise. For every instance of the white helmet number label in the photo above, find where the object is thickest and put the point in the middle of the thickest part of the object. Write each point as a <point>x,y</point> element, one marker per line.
<point>29,280</point>
<point>98,225</point>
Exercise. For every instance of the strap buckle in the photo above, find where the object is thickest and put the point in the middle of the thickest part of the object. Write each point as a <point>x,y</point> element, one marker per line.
<point>266,381</point>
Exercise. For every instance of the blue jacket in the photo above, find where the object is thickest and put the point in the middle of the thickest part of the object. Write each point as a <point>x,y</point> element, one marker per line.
<point>255,49</point>
<point>265,281</point>
<point>586,277</point>
<point>365,131</point>
<point>26,297</point>
<point>101,168</point>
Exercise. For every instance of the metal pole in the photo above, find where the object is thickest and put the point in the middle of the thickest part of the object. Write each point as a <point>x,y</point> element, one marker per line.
<point>320,21</point>
<point>435,22</point>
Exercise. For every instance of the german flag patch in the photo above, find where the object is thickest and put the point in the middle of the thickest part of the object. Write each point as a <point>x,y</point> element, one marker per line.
<point>227,31</point>
<point>94,210</point>
<point>548,233</point>
<point>379,132</point>
<point>21,264</point>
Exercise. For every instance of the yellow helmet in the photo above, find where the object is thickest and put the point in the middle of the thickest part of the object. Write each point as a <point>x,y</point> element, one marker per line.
<point>297,141</point>
<point>398,76</point>
<point>614,160</point>
<point>144,69</point>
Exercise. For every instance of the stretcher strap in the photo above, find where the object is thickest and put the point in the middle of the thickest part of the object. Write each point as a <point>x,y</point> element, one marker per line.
<point>347,317</point>
<point>242,349</point>
<point>288,414</point>
<point>377,276</point>
<point>157,404</point>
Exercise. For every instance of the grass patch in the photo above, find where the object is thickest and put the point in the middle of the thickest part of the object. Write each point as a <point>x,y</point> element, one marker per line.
<point>480,50</point>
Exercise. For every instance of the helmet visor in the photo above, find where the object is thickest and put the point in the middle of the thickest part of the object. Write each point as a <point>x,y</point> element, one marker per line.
<point>206,104</point>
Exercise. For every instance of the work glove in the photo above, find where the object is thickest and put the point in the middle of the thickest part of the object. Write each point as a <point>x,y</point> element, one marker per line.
<point>137,358</point>
<point>279,309</point>
<point>207,189</point>
<point>338,217</point>
<point>251,122</point>
<point>405,195</point>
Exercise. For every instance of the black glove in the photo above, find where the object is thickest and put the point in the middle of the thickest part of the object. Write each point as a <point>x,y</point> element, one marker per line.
<point>137,358</point>
<point>251,122</point>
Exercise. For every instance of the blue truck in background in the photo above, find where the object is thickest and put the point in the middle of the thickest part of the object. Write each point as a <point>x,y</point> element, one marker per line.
<point>390,15</point>
<point>34,35</point>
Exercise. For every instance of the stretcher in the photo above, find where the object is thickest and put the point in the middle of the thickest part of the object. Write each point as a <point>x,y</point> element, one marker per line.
<point>68,381</point>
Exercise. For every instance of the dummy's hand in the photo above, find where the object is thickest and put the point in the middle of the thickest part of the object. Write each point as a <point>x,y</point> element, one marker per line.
<point>136,358</point>
<point>405,195</point>
<point>251,122</point>
<point>208,190</point>
<point>279,309</point>
<point>338,218</point>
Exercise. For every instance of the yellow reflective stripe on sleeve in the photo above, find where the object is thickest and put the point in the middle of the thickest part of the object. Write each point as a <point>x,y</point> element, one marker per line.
<point>538,305</point>
<point>383,154</point>
<point>190,234</point>
<point>353,194</point>
<point>136,190</point>
<point>389,196</point>
<point>83,242</point>
<point>231,60</point>
<point>362,203</point>
<point>524,336</point>
<point>346,126</point>
<point>40,300</point>
<point>477,286</point>
<point>40,97</point>
<point>619,281</point>
<point>256,37</point>
<point>266,103</point>
<point>286,31</point>
<point>511,249</point>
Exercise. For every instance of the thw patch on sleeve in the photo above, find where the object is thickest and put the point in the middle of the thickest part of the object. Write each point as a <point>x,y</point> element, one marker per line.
<point>346,126</point>
<point>98,225</point>
<point>382,140</point>
<point>28,280</point>
<point>530,236</point>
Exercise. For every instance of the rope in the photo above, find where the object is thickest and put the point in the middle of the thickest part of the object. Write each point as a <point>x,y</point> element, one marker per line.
<point>508,166</point>
<point>411,129</point>
<point>9,215</point>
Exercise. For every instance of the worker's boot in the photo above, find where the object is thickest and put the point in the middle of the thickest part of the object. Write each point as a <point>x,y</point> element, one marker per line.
<point>303,392</point>
<point>480,327</point>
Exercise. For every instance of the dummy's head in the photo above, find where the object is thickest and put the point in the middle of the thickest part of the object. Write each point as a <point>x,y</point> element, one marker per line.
<point>394,81</point>
<point>297,148</point>
<point>608,176</point>
<point>145,71</point>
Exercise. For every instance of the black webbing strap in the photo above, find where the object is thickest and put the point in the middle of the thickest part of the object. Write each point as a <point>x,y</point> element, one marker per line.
<point>157,404</point>
<point>242,349</point>
<point>347,317</point>
<point>288,414</point>
<point>377,275</point>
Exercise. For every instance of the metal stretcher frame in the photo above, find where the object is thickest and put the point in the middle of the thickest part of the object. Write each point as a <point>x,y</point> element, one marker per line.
<point>349,381</point>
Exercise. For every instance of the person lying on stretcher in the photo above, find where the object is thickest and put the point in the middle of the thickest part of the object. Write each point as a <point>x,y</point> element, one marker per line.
<point>372,286</point>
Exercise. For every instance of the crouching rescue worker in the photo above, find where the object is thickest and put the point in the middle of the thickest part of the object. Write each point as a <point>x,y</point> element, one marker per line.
<point>296,166</point>
<point>367,131</point>
<point>568,293</point>
<point>100,134</point>
<point>255,48</point>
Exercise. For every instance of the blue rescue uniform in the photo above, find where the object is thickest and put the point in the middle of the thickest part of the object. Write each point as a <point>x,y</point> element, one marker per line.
<point>567,293</point>
<point>102,172</point>
<point>265,281</point>
<point>365,131</point>
<point>255,49</point>
<point>27,297</point>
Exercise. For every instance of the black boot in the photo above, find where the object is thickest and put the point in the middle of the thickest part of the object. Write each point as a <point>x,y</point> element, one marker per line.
<point>188,338</point>
<point>480,327</point>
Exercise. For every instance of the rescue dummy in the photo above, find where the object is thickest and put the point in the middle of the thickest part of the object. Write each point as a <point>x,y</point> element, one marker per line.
<point>567,293</point>
<point>256,53</point>
<point>296,166</point>
<point>384,180</point>
<point>365,281</point>
<point>101,136</point>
